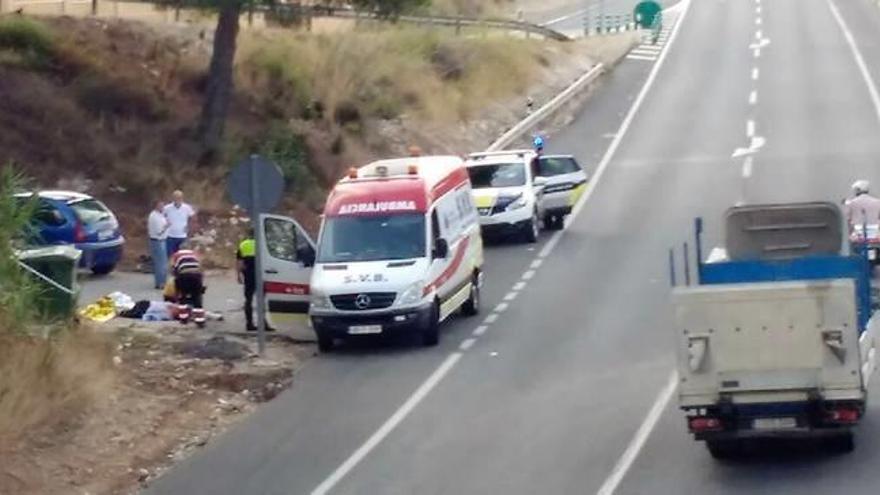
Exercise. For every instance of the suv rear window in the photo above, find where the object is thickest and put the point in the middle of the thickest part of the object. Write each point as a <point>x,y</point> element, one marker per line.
<point>90,211</point>
<point>550,166</point>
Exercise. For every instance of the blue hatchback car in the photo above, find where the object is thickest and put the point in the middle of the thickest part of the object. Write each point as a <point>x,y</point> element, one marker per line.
<point>64,217</point>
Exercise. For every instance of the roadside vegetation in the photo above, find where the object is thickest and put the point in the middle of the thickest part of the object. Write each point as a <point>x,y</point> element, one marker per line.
<point>49,372</point>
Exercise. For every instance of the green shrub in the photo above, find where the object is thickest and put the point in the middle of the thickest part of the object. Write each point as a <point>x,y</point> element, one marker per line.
<point>17,291</point>
<point>30,40</point>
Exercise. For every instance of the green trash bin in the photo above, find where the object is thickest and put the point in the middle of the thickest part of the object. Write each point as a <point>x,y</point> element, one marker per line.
<point>54,270</point>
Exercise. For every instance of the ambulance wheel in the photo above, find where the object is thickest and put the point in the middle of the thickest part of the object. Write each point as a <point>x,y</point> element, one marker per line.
<point>471,307</point>
<point>531,229</point>
<point>723,449</point>
<point>325,341</point>
<point>431,332</point>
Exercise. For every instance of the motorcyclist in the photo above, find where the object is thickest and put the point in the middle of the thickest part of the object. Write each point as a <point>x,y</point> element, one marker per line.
<point>862,209</point>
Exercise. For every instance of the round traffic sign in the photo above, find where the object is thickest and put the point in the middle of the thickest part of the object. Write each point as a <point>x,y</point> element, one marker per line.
<point>256,184</point>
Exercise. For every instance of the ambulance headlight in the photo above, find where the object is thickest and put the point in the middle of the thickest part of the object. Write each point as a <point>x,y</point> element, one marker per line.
<point>320,301</point>
<point>412,295</point>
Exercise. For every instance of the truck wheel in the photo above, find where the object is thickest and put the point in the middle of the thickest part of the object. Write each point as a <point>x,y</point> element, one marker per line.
<point>723,449</point>
<point>431,332</point>
<point>843,443</point>
<point>471,307</point>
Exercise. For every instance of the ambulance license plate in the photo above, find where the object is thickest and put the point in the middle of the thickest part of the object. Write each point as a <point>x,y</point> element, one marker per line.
<point>364,329</point>
<point>774,423</point>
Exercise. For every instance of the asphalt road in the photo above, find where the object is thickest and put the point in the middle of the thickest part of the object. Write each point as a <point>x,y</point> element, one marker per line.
<point>556,384</point>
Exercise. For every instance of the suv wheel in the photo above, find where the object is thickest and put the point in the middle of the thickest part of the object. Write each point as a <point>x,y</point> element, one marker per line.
<point>532,229</point>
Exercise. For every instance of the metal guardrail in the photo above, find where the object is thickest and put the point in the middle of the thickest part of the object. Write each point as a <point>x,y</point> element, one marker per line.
<point>457,22</point>
<point>551,106</point>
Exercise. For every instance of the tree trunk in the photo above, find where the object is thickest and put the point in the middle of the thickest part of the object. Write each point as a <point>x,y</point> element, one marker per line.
<point>220,79</point>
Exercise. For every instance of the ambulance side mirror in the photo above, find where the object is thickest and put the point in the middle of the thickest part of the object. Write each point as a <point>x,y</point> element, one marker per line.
<point>306,254</point>
<point>441,249</point>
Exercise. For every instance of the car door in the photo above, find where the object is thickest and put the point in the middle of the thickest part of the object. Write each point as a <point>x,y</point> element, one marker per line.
<point>288,255</point>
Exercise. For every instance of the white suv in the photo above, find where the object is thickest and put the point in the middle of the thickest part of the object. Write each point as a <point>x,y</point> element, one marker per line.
<point>508,193</point>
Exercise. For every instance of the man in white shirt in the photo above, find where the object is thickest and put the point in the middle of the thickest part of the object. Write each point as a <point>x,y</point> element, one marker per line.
<point>179,215</point>
<point>157,230</point>
<point>862,209</point>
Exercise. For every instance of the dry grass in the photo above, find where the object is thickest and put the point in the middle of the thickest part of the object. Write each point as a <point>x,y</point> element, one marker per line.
<point>383,73</point>
<point>44,382</point>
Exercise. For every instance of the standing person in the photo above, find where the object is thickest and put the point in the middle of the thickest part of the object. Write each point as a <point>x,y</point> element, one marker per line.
<point>247,275</point>
<point>180,217</point>
<point>862,209</point>
<point>157,230</point>
<point>186,266</point>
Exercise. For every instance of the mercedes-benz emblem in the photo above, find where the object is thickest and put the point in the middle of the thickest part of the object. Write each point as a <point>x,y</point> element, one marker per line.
<point>362,301</point>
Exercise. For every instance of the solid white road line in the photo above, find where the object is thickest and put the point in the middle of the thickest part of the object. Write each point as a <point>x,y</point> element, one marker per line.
<point>753,97</point>
<point>756,73</point>
<point>389,425</point>
<point>857,54</point>
<point>376,438</point>
<point>747,167</point>
<point>641,436</point>
<point>750,128</point>
<point>638,51</point>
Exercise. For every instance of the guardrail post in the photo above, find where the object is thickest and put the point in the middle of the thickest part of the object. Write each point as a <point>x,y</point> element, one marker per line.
<point>458,26</point>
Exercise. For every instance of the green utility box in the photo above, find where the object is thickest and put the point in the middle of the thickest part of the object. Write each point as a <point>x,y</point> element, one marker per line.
<point>54,270</point>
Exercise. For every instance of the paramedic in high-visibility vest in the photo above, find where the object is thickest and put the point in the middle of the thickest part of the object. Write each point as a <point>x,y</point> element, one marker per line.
<point>186,266</point>
<point>247,275</point>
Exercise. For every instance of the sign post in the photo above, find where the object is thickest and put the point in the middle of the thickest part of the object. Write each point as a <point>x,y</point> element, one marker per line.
<point>257,184</point>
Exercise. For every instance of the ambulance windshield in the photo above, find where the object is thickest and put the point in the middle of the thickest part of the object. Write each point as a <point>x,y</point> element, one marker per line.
<point>372,238</point>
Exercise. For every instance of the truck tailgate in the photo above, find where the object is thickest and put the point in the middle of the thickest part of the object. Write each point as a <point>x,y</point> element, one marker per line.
<point>751,342</point>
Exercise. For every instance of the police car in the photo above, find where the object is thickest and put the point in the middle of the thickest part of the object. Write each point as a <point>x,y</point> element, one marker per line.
<point>508,192</point>
<point>566,183</point>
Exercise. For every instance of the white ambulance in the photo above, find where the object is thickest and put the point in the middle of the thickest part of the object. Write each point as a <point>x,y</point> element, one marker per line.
<point>399,251</point>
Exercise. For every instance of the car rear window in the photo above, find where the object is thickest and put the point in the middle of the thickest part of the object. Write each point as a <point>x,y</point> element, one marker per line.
<point>550,166</point>
<point>90,211</point>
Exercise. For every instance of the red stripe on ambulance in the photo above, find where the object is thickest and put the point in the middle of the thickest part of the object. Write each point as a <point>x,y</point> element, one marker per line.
<point>452,268</point>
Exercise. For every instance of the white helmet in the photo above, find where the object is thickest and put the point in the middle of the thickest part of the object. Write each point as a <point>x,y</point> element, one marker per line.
<point>861,187</point>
